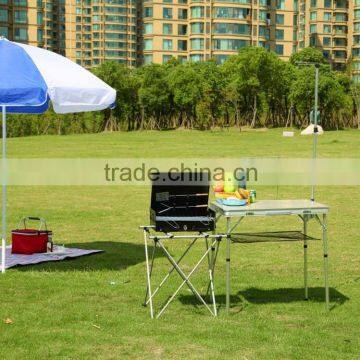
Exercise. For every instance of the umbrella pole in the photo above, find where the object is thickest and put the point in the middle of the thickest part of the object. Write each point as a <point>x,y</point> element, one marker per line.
<point>315,130</point>
<point>3,240</point>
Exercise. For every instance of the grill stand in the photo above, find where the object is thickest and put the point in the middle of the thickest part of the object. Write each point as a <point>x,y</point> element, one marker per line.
<point>211,246</point>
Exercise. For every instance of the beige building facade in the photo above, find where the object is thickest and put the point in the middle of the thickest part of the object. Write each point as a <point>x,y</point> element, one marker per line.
<point>140,32</point>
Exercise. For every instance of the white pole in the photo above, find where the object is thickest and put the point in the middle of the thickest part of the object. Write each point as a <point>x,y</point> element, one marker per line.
<point>3,240</point>
<point>315,128</point>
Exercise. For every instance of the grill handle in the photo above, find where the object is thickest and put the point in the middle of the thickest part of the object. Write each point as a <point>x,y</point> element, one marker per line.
<point>33,218</point>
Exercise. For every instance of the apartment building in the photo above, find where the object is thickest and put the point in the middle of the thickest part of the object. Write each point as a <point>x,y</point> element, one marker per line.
<point>87,31</point>
<point>136,32</point>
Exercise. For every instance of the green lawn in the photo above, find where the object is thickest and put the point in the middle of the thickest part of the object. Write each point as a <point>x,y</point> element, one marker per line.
<point>91,307</point>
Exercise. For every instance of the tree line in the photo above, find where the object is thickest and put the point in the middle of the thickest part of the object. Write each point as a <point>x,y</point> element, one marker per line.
<point>252,88</point>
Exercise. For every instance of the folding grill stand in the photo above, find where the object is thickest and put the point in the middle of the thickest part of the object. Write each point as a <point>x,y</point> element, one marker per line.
<point>211,247</point>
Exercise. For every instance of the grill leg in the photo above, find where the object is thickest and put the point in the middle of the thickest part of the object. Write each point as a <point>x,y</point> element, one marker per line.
<point>151,269</point>
<point>185,279</point>
<point>171,270</point>
<point>148,274</point>
<point>228,243</point>
<point>211,277</point>
<point>214,253</point>
<point>305,220</point>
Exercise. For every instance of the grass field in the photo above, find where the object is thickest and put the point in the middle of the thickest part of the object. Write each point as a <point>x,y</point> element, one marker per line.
<point>90,308</point>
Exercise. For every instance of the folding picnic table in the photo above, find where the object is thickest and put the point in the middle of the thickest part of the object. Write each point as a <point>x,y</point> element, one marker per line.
<point>305,209</point>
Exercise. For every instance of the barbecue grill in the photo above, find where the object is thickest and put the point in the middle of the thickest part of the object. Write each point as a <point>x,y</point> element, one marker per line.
<point>179,203</point>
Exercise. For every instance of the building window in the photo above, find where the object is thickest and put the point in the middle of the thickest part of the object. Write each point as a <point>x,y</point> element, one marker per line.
<point>357,14</point>
<point>148,59</point>
<point>341,4</point>
<point>327,16</point>
<point>313,15</point>
<point>356,39</point>
<point>313,3</point>
<point>148,12</point>
<point>196,57</point>
<point>197,28</point>
<point>182,58</point>
<point>20,34</point>
<point>4,31</point>
<point>328,3</point>
<point>20,16</point>
<point>326,41</point>
<point>340,29</point>
<point>231,28</point>
<point>313,28</point>
<point>197,44</point>
<point>40,35</point>
<point>340,54</point>
<point>167,29</point>
<point>182,14</point>
<point>295,35</point>
<point>264,31</point>
<point>327,29</point>
<point>279,49</point>
<point>3,15</point>
<point>343,17</point>
<point>356,65</point>
<point>279,34</point>
<point>167,44</point>
<point>166,58</point>
<point>148,44</point>
<point>148,28</point>
<point>197,12</point>
<point>280,19</point>
<point>280,4</point>
<point>182,29</point>
<point>168,1</point>
<point>20,2</point>
<point>182,45</point>
<point>340,42</point>
<point>229,44</point>
<point>231,13</point>
<point>167,13</point>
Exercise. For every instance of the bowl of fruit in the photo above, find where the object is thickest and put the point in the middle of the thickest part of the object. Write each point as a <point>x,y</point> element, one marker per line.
<point>231,195</point>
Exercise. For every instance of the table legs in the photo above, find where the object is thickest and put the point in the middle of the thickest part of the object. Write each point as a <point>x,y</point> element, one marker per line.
<point>305,220</point>
<point>228,244</point>
<point>326,260</point>
<point>148,275</point>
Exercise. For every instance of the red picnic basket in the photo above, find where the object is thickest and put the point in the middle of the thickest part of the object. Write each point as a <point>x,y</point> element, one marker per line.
<point>29,241</point>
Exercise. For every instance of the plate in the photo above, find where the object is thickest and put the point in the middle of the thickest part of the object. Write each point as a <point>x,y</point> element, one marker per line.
<point>232,202</point>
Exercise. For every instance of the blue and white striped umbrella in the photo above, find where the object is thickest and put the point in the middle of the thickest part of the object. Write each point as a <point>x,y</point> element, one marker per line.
<point>31,78</point>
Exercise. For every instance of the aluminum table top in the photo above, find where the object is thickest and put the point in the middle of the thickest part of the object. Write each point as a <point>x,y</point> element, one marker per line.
<point>271,207</point>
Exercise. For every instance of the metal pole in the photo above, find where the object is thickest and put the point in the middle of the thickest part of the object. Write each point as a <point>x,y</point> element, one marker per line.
<point>315,127</point>
<point>3,240</point>
<point>326,260</point>
<point>305,258</point>
<point>228,244</point>
<point>148,274</point>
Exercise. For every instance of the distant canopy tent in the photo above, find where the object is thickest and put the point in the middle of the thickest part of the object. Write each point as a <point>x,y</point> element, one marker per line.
<point>31,78</point>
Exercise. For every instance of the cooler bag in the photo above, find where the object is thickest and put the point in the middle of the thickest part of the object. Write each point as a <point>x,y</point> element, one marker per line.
<point>30,241</point>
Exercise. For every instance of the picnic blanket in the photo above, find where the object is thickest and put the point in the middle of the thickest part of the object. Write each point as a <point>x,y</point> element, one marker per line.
<point>12,260</point>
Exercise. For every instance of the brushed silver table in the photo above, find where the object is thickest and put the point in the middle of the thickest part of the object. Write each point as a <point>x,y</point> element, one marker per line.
<point>305,209</point>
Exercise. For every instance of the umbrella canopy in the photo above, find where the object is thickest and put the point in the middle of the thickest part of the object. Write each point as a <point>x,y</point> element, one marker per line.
<point>31,78</point>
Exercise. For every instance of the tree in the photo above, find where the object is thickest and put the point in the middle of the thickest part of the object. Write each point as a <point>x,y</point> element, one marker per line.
<point>185,85</point>
<point>154,96</point>
<point>308,54</point>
